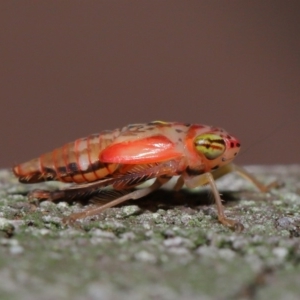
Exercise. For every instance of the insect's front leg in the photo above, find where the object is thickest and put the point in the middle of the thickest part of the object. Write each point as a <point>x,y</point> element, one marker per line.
<point>245,174</point>
<point>207,178</point>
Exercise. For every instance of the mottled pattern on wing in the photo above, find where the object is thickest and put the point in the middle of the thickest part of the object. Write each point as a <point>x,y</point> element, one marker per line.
<point>146,143</point>
<point>138,131</point>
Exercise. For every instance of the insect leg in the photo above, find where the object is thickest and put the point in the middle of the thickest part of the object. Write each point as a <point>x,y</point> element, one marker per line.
<point>263,188</point>
<point>179,184</point>
<point>133,195</point>
<point>54,196</point>
<point>68,194</point>
<point>207,178</point>
<point>245,174</point>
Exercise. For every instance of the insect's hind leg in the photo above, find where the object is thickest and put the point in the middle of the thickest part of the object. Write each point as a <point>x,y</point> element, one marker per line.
<point>41,195</point>
<point>71,193</point>
<point>130,196</point>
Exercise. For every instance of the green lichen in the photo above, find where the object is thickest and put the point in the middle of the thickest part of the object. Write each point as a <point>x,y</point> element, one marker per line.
<point>167,246</point>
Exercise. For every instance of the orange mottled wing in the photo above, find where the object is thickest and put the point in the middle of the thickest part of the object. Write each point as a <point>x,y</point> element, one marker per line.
<point>140,151</point>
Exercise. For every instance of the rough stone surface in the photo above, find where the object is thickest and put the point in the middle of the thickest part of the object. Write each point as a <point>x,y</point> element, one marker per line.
<point>166,246</point>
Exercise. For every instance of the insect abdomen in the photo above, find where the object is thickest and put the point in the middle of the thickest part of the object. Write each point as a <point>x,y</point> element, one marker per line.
<point>74,162</point>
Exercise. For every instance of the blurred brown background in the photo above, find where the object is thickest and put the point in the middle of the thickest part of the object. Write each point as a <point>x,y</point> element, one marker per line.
<point>71,68</point>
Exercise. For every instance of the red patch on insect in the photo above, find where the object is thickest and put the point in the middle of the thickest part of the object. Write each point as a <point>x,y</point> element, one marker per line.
<point>142,151</point>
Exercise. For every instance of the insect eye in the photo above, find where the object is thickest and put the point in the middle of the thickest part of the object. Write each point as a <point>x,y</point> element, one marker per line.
<point>210,145</point>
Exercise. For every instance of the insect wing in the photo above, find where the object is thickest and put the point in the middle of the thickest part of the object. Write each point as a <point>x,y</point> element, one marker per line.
<point>141,151</point>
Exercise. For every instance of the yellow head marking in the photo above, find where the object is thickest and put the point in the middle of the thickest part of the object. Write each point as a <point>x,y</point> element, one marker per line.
<point>210,145</point>
<point>158,122</point>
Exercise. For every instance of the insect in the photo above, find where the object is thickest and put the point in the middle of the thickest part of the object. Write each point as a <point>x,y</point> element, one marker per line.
<point>124,158</point>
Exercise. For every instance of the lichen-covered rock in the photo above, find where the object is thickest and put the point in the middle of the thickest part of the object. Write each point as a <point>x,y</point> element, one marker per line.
<point>167,246</point>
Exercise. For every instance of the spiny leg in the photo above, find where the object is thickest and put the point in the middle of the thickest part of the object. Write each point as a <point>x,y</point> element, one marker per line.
<point>245,174</point>
<point>135,175</point>
<point>207,178</point>
<point>68,194</point>
<point>131,196</point>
